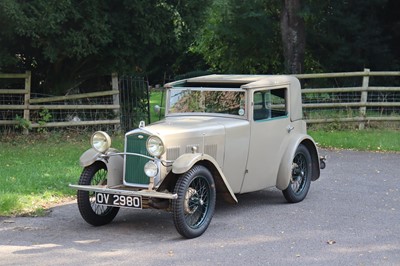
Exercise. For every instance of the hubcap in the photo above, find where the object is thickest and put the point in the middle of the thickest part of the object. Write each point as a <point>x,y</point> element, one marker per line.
<point>196,202</point>
<point>191,198</point>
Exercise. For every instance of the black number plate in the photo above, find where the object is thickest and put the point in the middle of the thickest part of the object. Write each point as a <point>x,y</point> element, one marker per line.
<point>118,200</point>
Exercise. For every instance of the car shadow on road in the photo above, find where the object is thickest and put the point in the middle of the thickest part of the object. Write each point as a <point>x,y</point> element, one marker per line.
<point>267,197</point>
<point>159,222</point>
<point>64,228</point>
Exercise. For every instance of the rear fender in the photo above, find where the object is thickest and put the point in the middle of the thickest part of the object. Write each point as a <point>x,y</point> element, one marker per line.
<point>187,161</point>
<point>114,163</point>
<point>285,167</point>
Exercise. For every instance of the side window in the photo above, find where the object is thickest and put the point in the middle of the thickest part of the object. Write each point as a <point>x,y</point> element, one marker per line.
<point>270,104</point>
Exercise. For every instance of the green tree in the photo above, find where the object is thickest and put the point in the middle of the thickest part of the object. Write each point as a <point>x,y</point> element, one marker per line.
<point>293,36</point>
<point>241,37</point>
<point>65,42</point>
<point>265,36</point>
<point>349,35</point>
<point>258,36</point>
<point>390,22</point>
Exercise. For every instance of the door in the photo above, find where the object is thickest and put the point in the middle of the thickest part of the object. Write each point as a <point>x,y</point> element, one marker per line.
<point>269,135</point>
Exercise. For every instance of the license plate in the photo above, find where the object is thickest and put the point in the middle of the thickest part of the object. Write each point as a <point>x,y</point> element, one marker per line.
<point>116,200</point>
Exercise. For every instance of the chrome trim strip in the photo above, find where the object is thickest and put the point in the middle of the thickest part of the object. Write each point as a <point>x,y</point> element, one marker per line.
<point>136,154</point>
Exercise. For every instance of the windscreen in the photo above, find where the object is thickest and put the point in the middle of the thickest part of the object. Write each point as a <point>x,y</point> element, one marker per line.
<point>210,101</point>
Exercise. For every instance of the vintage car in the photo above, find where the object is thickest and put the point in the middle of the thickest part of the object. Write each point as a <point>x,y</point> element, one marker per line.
<point>222,135</point>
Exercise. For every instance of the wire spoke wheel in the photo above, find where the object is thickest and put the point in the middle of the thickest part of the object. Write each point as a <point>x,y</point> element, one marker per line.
<point>301,176</point>
<point>194,208</point>
<point>197,202</point>
<point>299,173</point>
<point>98,179</point>
<point>91,212</point>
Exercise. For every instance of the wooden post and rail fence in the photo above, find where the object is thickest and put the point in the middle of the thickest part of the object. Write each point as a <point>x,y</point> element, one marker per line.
<point>363,93</point>
<point>354,110</point>
<point>30,104</point>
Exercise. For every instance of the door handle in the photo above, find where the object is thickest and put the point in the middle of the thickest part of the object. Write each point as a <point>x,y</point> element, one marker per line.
<point>289,128</point>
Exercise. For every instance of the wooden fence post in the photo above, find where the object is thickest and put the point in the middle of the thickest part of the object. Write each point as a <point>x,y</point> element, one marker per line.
<point>364,98</point>
<point>27,99</point>
<point>114,85</point>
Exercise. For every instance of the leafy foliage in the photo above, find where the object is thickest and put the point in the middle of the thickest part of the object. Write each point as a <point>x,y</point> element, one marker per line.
<point>241,37</point>
<point>350,35</point>
<point>244,37</point>
<point>65,42</point>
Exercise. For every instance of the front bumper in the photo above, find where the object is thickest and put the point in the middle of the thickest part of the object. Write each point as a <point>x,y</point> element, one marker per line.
<point>127,191</point>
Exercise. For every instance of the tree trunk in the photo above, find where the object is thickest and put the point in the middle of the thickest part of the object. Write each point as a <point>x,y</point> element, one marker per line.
<point>293,36</point>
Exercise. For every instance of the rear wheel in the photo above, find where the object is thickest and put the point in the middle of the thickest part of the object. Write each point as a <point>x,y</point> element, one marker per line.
<point>91,212</point>
<point>195,205</point>
<point>301,176</point>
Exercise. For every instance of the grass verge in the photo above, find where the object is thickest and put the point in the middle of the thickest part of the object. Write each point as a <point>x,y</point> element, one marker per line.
<point>35,171</point>
<point>363,140</point>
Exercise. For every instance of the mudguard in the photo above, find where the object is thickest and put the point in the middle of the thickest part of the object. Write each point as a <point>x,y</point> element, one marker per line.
<point>113,161</point>
<point>89,157</point>
<point>187,161</point>
<point>285,167</point>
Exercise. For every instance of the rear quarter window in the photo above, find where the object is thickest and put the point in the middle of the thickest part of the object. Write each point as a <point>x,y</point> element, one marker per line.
<point>270,104</point>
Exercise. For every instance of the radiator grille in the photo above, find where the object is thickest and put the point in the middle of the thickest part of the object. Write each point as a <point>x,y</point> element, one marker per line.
<point>134,174</point>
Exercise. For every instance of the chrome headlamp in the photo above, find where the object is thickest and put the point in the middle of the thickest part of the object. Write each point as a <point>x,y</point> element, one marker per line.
<point>155,146</point>
<point>151,169</point>
<point>100,141</point>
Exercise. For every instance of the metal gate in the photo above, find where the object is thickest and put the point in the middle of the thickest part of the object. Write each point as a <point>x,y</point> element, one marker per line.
<point>134,101</point>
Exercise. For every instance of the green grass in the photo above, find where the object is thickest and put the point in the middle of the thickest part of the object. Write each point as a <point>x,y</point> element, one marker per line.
<point>363,140</point>
<point>35,171</point>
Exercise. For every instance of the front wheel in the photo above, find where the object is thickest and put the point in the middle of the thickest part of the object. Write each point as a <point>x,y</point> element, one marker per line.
<point>195,205</point>
<point>301,176</point>
<point>91,212</point>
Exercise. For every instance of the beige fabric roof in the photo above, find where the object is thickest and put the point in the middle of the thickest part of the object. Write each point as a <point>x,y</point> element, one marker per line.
<point>254,82</point>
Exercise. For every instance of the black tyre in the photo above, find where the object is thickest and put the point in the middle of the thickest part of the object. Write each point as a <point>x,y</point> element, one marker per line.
<point>195,205</point>
<point>91,212</point>
<point>301,176</point>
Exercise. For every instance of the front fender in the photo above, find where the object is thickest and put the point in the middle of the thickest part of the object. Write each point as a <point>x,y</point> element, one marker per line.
<point>285,167</point>
<point>114,163</point>
<point>89,157</point>
<point>187,161</point>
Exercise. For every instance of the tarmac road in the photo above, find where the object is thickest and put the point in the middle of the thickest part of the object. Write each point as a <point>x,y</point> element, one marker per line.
<point>351,216</point>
